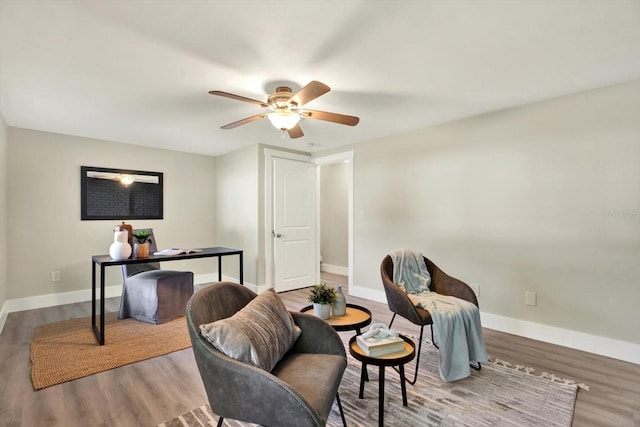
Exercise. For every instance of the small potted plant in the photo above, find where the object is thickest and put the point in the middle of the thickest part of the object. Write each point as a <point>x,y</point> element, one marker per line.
<point>141,245</point>
<point>322,296</point>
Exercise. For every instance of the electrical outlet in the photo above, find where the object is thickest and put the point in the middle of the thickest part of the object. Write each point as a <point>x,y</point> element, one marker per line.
<point>530,298</point>
<point>55,276</point>
<point>475,288</point>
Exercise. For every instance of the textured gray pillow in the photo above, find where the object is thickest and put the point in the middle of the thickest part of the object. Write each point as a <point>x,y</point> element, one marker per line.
<point>260,334</point>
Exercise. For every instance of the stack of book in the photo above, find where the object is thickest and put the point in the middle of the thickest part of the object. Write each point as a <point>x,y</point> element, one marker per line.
<point>376,346</point>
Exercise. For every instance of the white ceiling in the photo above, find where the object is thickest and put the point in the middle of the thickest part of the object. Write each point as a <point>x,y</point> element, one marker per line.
<point>139,71</point>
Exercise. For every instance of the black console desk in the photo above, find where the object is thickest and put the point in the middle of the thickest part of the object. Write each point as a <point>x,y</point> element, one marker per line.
<point>104,261</point>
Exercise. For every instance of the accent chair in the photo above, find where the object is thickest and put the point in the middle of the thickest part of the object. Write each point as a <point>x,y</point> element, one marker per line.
<point>298,391</point>
<point>399,302</point>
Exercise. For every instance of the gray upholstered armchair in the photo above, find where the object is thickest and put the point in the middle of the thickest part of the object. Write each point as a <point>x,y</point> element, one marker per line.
<point>299,391</point>
<point>399,302</point>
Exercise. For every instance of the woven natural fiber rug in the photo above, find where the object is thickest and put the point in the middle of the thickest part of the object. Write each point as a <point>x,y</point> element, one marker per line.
<point>68,350</point>
<point>497,395</point>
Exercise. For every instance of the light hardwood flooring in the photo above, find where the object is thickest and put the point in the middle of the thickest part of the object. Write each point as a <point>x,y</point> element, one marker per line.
<point>150,392</point>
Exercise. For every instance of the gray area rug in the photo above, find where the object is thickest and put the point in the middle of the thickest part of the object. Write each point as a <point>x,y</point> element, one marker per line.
<point>497,395</point>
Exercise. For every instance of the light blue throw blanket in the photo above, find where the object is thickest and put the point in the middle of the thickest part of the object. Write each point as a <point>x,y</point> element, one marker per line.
<point>412,275</point>
<point>456,322</point>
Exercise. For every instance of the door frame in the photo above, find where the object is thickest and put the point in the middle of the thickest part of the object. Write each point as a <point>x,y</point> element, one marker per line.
<point>269,154</point>
<point>343,157</point>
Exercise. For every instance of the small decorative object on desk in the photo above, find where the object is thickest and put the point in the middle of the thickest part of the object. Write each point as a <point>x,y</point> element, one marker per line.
<point>141,246</point>
<point>380,340</point>
<point>129,229</point>
<point>339,307</point>
<point>177,251</point>
<point>322,297</point>
<point>119,249</point>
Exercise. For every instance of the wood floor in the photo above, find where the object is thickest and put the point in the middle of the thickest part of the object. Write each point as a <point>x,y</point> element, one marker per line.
<point>152,391</point>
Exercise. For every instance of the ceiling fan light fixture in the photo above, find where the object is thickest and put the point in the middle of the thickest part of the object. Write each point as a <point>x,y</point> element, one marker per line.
<point>283,119</point>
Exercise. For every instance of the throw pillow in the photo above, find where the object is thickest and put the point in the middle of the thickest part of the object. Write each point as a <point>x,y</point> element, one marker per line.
<point>259,334</point>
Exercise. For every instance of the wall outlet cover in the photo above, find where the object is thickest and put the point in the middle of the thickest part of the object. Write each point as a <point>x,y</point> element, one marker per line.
<point>530,298</point>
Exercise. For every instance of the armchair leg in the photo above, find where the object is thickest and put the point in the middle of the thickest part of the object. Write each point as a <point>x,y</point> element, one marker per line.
<point>415,374</point>
<point>220,420</point>
<point>392,319</point>
<point>344,421</point>
<point>433,340</point>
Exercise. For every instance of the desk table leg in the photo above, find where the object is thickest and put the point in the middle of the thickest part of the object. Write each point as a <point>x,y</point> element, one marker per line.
<point>93,300</point>
<point>381,398</point>
<point>102,304</point>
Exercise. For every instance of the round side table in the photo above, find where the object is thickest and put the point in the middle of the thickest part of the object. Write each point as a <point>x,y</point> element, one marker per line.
<point>393,359</point>
<point>355,318</point>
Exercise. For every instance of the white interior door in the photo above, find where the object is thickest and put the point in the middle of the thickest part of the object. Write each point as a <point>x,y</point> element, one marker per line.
<point>294,224</point>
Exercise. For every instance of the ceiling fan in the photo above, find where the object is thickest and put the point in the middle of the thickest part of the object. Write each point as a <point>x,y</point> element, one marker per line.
<point>285,112</point>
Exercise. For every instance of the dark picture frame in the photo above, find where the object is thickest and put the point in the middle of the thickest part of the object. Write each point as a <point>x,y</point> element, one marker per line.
<point>120,194</point>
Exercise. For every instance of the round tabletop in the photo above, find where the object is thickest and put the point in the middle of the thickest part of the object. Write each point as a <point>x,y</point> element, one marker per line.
<point>356,317</point>
<point>391,359</point>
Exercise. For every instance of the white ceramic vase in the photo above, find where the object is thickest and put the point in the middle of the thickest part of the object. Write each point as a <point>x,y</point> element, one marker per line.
<point>322,311</point>
<point>120,248</point>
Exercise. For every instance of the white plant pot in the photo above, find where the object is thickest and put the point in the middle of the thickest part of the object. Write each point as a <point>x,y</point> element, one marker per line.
<point>322,311</point>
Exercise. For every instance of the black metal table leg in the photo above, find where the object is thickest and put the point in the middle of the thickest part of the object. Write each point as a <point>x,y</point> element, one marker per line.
<point>102,305</point>
<point>403,386</point>
<point>381,398</point>
<point>362,374</point>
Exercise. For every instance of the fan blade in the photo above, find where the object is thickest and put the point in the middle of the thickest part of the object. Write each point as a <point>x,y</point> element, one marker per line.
<point>330,117</point>
<point>244,121</point>
<point>238,98</point>
<point>295,132</point>
<point>308,93</point>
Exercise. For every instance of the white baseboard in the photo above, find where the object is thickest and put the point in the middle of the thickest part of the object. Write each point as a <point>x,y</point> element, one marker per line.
<point>51,300</point>
<point>335,269</point>
<point>4,312</point>
<point>366,293</point>
<point>202,279</point>
<point>617,349</point>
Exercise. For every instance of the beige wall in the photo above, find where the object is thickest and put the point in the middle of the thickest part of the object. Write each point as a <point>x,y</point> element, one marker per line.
<point>3,213</point>
<point>237,209</point>
<point>45,232</point>
<point>544,198</point>
<point>334,211</point>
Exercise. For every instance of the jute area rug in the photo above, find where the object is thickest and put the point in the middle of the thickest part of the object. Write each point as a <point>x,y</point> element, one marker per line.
<point>68,350</point>
<point>497,395</point>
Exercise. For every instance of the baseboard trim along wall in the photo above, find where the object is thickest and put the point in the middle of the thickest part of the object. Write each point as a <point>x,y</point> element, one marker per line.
<point>617,349</point>
<point>335,269</point>
<point>51,300</point>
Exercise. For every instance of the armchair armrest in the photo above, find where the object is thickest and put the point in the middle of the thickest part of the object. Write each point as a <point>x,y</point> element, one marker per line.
<point>399,302</point>
<point>317,336</point>
<point>444,284</point>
